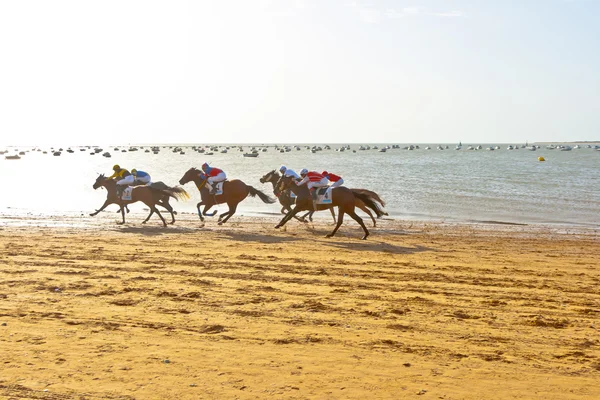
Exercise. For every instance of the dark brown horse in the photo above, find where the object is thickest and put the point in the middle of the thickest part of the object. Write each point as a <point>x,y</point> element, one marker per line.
<point>287,201</point>
<point>152,195</point>
<point>285,198</point>
<point>234,192</point>
<point>342,198</point>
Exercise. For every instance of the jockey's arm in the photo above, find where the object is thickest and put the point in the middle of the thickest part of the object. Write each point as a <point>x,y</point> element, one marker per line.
<point>114,175</point>
<point>303,181</point>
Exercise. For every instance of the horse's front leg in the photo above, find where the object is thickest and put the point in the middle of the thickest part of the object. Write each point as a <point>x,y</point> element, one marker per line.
<point>200,212</point>
<point>208,207</point>
<point>123,214</point>
<point>287,217</point>
<point>106,204</point>
<point>149,215</point>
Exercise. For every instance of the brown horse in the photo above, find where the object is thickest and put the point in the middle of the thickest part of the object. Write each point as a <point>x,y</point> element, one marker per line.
<point>342,198</point>
<point>234,192</point>
<point>287,201</point>
<point>285,198</point>
<point>155,194</point>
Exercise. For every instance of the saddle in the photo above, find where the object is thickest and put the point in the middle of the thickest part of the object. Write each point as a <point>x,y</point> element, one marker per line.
<point>217,188</point>
<point>125,193</point>
<point>324,195</point>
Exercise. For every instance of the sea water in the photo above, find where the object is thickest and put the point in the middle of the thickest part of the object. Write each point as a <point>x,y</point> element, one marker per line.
<point>507,186</point>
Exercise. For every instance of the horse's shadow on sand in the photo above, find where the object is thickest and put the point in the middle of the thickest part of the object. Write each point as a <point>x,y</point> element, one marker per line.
<point>370,245</point>
<point>152,230</point>
<point>257,237</point>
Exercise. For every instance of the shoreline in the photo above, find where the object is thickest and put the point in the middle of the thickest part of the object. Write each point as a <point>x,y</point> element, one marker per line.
<point>183,219</point>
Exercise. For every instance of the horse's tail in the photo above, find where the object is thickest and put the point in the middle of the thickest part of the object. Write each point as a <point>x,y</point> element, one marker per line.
<point>255,192</point>
<point>369,200</point>
<point>176,192</point>
<point>372,194</point>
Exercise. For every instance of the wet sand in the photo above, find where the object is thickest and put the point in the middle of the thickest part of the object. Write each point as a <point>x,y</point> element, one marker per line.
<point>93,310</point>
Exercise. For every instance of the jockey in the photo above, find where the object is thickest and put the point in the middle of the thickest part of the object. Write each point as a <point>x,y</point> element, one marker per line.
<point>125,178</point>
<point>140,176</point>
<point>119,172</point>
<point>215,175</point>
<point>315,180</point>
<point>286,172</point>
<point>336,179</point>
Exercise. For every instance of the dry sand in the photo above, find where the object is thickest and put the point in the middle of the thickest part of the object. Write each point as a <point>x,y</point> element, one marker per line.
<point>92,310</point>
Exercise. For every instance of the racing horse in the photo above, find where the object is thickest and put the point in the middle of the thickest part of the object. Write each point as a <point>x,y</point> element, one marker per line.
<point>287,201</point>
<point>342,198</point>
<point>285,198</point>
<point>156,193</point>
<point>234,191</point>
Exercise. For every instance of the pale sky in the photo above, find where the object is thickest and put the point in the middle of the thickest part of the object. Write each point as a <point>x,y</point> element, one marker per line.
<point>420,71</point>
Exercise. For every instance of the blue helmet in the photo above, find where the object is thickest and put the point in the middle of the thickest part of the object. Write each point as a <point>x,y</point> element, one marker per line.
<point>282,169</point>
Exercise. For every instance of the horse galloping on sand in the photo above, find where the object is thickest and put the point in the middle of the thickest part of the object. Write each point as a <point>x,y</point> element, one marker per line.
<point>234,192</point>
<point>342,198</point>
<point>152,195</point>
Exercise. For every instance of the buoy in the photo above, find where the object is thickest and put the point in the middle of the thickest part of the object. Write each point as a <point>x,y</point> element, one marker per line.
<point>541,159</point>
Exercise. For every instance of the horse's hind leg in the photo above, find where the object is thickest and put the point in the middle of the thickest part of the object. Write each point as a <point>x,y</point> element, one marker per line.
<point>339,222</point>
<point>232,209</point>
<point>153,208</point>
<point>368,212</point>
<point>167,206</point>
<point>226,213</point>
<point>361,223</point>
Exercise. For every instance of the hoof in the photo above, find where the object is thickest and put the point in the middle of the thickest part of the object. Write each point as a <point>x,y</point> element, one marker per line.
<point>143,223</point>
<point>364,237</point>
<point>277,226</point>
<point>220,223</point>
<point>328,236</point>
<point>92,215</point>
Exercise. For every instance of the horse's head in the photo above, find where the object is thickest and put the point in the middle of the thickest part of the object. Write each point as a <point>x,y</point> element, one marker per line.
<point>271,176</point>
<point>282,184</point>
<point>100,180</point>
<point>191,175</point>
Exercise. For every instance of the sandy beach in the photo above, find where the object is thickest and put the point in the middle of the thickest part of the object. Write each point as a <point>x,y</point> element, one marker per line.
<point>93,310</point>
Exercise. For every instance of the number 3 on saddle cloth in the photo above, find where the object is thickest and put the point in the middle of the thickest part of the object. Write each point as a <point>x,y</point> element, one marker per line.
<point>218,188</point>
<point>324,195</point>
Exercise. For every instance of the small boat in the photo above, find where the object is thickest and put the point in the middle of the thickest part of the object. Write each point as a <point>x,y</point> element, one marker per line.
<point>13,157</point>
<point>250,154</point>
<point>56,153</point>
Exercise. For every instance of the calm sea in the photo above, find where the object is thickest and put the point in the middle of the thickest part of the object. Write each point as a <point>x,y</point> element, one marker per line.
<point>509,186</point>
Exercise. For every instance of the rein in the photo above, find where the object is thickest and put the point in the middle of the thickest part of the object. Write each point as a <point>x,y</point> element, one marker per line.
<point>201,185</point>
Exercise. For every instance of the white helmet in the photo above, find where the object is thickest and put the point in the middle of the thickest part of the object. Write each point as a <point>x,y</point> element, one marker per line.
<point>304,171</point>
<point>282,169</point>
